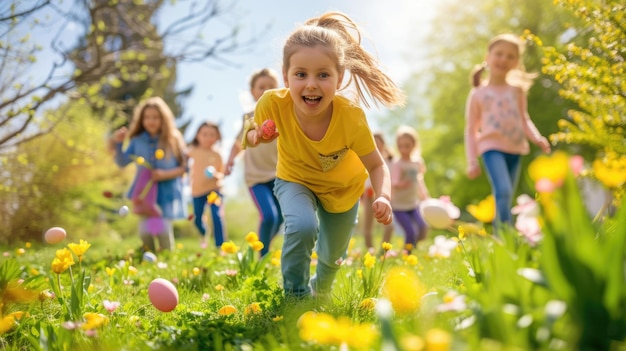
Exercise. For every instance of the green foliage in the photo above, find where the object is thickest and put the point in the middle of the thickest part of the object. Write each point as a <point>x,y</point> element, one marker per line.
<point>457,42</point>
<point>59,179</point>
<point>591,70</point>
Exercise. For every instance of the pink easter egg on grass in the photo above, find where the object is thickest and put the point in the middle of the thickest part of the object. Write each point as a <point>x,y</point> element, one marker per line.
<point>55,235</point>
<point>163,295</point>
<point>269,129</point>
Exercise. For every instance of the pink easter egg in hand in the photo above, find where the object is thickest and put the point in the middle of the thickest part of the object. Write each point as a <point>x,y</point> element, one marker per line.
<point>55,235</point>
<point>268,128</point>
<point>163,295</point>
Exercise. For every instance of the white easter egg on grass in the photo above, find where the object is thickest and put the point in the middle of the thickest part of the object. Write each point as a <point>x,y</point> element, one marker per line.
<point>55,235</point>
<point>149,256</point>
<point>163,295</point>
<point>123,211</point>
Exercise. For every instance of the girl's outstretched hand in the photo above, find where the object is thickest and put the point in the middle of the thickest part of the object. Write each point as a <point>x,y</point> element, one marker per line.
<point>382,210</point>
<point>544,144</point>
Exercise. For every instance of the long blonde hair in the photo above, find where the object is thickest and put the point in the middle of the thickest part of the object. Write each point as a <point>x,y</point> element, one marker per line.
<point>334,31</point>
<point>518,76</point>
<point>170,138</point>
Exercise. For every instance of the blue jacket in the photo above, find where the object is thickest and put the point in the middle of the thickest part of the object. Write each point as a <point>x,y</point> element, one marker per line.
<point>169,192</point>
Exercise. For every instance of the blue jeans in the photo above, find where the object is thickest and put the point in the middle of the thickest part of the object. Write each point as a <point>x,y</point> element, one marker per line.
<point>199,202</point>
<point>306,221</point>
<point>271,216</point>
<point>503,171</point>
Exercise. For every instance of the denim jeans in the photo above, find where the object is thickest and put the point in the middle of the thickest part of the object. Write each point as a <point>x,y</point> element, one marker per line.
<point>503,171</point>
<point>306,221</point>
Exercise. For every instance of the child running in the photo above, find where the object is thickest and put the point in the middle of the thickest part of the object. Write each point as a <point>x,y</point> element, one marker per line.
<point>497,124</point>
<point>408,188</point>
<point>368,198</point>
<point>260,166</point>
<point>159,149</point>
<point>325,147</point>
<point>206,175</point>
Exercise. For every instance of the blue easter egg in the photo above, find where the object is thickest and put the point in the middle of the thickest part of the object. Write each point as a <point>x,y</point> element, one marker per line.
<point>209,171</point>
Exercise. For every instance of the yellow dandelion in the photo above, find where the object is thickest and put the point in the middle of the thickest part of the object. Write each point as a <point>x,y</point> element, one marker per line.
<point>132,270</point>
<point>252,237</point>
<point>110,271</point>
<point>368,260</point>
<point>277,318</point>
<point>28,244</point>
<point>195,271</point>
<point>80,248</point>
<point>257,246</point>
<point>553,167</point>
<point>411,342</point>
<point>403,289</point>
<point>229,247</point>
<point>359,273</point>
<point>219,287</point>
<point>438,340</point>
<point>411,260</point>
<point>58,266</point>
<point>94,320</point>
<point>314,255</point>
<point>387,246</point>
<point>485,211</point>
<point>253,308</point>
<point>227,310</point>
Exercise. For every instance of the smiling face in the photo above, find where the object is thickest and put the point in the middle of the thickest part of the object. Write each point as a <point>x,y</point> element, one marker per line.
<point>502,57</point>
<point>313,79</point>
<point>152,120</point>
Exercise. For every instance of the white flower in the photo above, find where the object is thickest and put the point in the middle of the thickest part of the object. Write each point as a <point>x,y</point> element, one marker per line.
<point>452,301</point>
<point>442,247</point>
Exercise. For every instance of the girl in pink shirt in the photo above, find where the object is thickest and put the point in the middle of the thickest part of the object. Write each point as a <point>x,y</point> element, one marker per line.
<point>498,126</point>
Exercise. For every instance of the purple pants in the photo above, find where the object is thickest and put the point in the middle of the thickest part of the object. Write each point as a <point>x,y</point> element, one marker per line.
<point>413,225</point>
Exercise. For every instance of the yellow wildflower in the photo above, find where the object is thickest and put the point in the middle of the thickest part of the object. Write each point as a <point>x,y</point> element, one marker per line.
<point>257,246</point>
<point>610,171</point>
<point>553,167</point>
<point>94,320</point>
<point>386,246</point>
<point>110,271</point>
<point>229,247</point>
<point>252,237</point>
<point>411,342</point>
<point>132,270</point>
<point>8,321</point>
<point>485,211</point>
<point>314,255</point>
<point>227,310</point>
<point>408,247</point>
<point>403,289</point>
<point>195,271</point>
<point>438,340</point>
<point>411,260</point>
<point>253,308</point>
<point>58,266</point>
<point>219,287</point>
<point>368,260</point>
<point>65,255</point>
<point>79,249</point>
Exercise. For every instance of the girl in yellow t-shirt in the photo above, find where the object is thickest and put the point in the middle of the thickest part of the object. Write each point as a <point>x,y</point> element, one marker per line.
<point>325,148</point>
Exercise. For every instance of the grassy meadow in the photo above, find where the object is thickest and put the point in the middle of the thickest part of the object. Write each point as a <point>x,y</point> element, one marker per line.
<point>556,282</point>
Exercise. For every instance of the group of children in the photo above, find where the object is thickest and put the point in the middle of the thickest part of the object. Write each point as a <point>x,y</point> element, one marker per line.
<point>312,172</point>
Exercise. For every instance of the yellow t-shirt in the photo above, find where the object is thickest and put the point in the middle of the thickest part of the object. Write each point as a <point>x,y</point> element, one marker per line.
<point>331,167</point>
